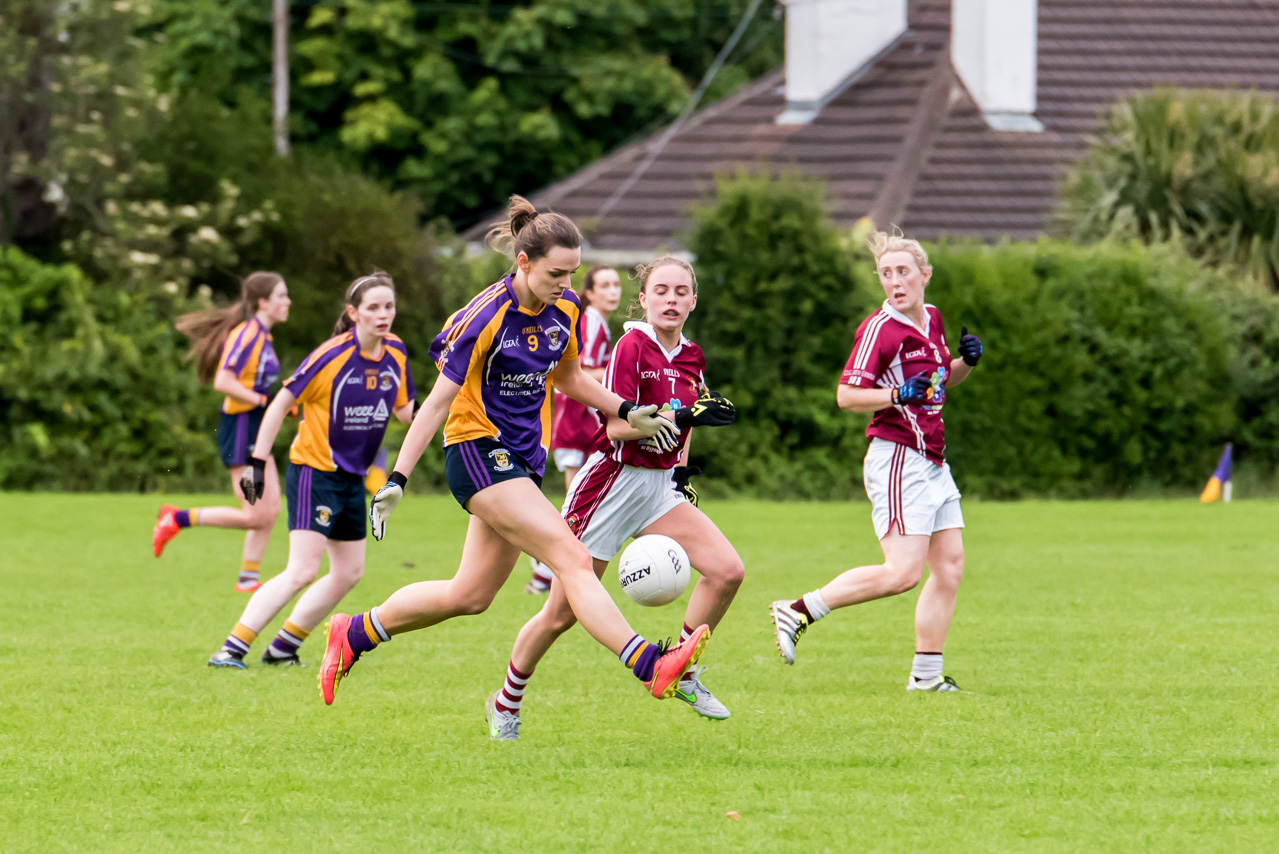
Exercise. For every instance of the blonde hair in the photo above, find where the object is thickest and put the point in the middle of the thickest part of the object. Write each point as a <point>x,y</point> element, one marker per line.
<point>881,243</point>
<point>645,269</point>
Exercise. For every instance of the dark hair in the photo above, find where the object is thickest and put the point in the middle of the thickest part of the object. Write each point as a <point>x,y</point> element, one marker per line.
<point>644,270</point>
<point>208,328</point>
<point>531,231</point>
<point>355,295</point>
<point>589,284</point>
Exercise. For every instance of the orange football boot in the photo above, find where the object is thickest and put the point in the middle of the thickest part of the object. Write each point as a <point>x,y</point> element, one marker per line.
<point>166,528</point>
<point>338,656</point>
<point>676,662</point>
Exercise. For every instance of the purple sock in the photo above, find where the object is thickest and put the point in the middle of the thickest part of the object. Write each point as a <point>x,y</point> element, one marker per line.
<point>183,518</point>
<point>647,661</point>
<point>358,637</point>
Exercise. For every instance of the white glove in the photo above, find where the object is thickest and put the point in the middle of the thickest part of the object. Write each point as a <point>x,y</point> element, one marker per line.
<point>661,430</point>
<point>383,504</point>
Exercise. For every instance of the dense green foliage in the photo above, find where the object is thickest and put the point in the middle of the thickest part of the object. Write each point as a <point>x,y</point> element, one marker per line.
<point>1202,169</point>
<point>1119,703</point>
<point>1108,368</point>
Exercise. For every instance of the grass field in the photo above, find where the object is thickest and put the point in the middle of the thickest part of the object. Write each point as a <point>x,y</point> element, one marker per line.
<point>1121,657</point>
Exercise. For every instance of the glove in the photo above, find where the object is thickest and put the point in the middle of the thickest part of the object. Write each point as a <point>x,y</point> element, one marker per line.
<point>645,419</point>
<point>913,391</point>
<point>680,477</point>
<point>712,409</point>
<point>384,501</point>
<point>253,481</point>
<point>969,347</point>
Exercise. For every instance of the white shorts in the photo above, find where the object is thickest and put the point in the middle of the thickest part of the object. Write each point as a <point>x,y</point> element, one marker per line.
<point>608,503</point>
<point>568,458</point>
<point>908,493</point>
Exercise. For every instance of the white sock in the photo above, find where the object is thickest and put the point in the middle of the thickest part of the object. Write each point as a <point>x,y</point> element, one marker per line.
<point>816,605</point>
<point>927,665</point>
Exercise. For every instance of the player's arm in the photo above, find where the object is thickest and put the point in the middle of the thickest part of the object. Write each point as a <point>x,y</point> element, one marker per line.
<point>857,399</point>
<point>582,387</point>
<point>227,383</point>
<point>253,481</point>
<point>405,412</point>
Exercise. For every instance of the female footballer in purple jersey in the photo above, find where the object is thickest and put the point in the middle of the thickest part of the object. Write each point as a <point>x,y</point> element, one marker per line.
<point>495,356</point>
<point>900,369</point>
<point>626,489</point>
<point>234,351</point>
<point>348,387</point>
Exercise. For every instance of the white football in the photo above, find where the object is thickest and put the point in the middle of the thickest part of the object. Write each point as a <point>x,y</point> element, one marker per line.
<point>654,570</point>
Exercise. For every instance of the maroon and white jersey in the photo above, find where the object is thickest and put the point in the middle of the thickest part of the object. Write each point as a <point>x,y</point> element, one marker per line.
<point>642,371</point>
<point>888,350</point>
<point>575,425</point>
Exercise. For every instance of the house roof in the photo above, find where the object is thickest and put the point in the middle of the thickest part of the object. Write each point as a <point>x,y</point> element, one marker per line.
<point>903,142</point>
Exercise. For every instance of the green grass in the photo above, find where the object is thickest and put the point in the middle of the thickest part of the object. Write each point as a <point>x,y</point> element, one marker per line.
<point>1121,655</point>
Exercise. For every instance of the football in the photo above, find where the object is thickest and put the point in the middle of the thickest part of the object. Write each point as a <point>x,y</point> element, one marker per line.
<point>654,570</point>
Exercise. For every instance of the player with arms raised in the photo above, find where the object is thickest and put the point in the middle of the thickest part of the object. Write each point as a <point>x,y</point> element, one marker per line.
<point>900,369</point>
<point>495,357</point>
<point>626,488</point>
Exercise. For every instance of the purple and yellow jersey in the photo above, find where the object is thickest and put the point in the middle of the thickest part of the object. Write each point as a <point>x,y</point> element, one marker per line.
<point>248,353</point>
<point>347,401</point>
<point>502,355</point>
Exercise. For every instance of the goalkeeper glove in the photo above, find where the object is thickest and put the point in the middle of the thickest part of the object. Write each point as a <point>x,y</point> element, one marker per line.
<point>970,348</point>
<point>253,481</point>
<point>712,409</point>
<point>913,391</point>
<point>384,501</point>
<point>680,476</point>
<point>646,420</point>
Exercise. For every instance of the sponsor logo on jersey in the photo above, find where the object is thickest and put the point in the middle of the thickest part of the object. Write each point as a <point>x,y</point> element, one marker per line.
<point>501,459</point>
<point>323,515</point>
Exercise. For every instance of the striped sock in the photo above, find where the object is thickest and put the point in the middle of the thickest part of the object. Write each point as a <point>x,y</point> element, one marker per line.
<point>641,657</point>
<point>366,632</point>
<point>542,574</point>
<point>187,518</point>
<point>512,693</point>
<point>684,634</point>
<point>287,641</point>
<point>250,571</point>
<point>240,639</point>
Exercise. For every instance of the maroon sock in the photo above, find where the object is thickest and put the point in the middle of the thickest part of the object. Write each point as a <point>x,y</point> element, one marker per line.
<point>798,605</point>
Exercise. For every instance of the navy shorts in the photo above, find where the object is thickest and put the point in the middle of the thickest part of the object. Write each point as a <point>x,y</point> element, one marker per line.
<point>474,465</point>
<point>236,435</point>
<point>327,502</point>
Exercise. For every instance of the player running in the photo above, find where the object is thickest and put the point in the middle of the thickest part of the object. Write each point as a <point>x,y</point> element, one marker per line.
<point>574,426</point>
<point>626,487</point>
<point>495,356</point>
<point>349,386</point>
<point>234,351</point>
<point>900,369</point>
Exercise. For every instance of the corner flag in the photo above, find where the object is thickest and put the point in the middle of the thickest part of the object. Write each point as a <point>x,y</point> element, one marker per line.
<point>1219,484</point>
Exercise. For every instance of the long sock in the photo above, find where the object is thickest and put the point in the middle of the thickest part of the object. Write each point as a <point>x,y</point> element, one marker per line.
<point>240,639</point>
<point>641,657</point>
<point>512,693</point>
<point>187,518</point>
<point>927,665</point>
<point>812,606</point>
<point>366,632</point>
<point>542,573</point>
<point>287,641</point>
<point>250,571</point>
<point>684,634</point>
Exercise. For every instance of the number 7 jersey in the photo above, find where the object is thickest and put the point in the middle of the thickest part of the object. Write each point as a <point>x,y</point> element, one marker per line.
<point>643,371</point>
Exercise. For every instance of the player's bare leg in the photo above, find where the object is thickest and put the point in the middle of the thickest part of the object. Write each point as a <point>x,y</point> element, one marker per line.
<point>722,572</point>
<point>935,609</point>
<point>346,568</point>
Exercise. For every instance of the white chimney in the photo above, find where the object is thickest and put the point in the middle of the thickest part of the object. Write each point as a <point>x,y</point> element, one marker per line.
<point>827,42</point>
<point>994,47</point>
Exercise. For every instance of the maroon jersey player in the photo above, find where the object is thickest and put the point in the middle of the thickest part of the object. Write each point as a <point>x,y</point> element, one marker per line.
<point>626,487</point>
<point>900,369</point>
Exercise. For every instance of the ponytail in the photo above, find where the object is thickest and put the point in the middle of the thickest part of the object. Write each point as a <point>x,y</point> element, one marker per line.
<point>355,295</point>
<point>208,328</point>
<point>533,232</point>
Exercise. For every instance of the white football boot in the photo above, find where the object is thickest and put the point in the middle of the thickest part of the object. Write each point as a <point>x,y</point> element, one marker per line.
<point>538,585</point>
<point>692,691</point>
<point>789,626</point>
<point>503,726</point>
<point>936,684</point>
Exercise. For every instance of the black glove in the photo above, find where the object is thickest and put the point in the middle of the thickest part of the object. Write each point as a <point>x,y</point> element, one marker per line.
<point>913,391</point>
<point>969,347</point>
<point>712,409</point>
<point>253,482</point>
<point>680,476</point>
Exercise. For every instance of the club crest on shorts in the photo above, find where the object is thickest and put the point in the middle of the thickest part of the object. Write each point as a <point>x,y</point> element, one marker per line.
<point>574,522</point>
<point>323,515</point>
<point>501,459</point>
